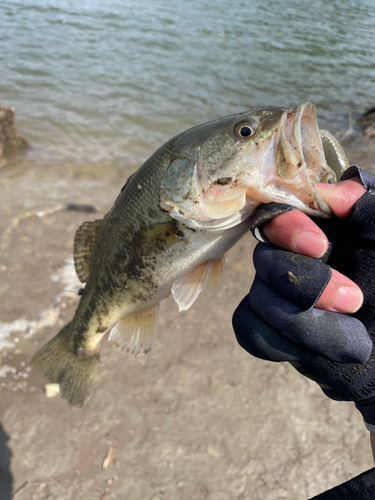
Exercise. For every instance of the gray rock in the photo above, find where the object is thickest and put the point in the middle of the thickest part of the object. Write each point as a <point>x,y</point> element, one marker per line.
<point>10,138</point>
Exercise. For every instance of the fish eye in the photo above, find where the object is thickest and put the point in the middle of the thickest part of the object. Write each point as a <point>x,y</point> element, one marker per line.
<point>245,130</point>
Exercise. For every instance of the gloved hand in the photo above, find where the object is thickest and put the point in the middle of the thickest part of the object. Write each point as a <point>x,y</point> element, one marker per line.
<point>278,321</point>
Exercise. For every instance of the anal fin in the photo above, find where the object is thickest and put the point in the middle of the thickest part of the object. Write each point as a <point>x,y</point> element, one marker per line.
<point>135,335</point>
<point>207,275</point>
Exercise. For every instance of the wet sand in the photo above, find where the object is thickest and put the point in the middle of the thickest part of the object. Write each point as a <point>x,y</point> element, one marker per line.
<point>197,418</point>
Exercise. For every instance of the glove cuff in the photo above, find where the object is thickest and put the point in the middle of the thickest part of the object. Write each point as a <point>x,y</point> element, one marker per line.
<point>367,409</point>
<point>367,179</point>
<point>369,427</point>
<point>361,487</point>
<point>265,213</point>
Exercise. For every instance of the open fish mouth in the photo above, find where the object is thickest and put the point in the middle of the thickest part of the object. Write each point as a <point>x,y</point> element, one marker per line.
<point>283,168</point>
<point>301,145</point>
<point>300,159</point>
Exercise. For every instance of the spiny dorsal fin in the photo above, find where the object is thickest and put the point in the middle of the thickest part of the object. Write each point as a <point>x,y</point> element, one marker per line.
<point>83,245</point>
<point>207,275</point>
<point>135,335</point>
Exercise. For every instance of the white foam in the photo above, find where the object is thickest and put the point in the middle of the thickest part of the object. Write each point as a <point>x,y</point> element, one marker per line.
<point>48,317</point>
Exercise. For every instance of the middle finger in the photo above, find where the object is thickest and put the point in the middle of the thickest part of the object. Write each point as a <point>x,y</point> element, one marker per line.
<point>296,232</point>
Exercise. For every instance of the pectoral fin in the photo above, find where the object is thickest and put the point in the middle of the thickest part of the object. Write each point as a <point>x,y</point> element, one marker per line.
<point>83,244</point>
<point>215,278</point>
<point>207,275</point>
<point>135,335</point>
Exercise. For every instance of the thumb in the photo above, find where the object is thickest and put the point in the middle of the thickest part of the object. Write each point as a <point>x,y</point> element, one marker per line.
<point>340,197</point>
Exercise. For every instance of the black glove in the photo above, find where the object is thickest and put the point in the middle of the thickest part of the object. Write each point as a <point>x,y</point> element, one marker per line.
<point>361,487</point>
<point>277,320</point>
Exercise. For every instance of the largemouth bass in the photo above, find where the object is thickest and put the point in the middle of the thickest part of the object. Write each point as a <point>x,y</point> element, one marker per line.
<point>172,223</point>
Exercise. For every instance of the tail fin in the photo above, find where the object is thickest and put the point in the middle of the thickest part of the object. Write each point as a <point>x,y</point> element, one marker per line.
<point>59,365</point>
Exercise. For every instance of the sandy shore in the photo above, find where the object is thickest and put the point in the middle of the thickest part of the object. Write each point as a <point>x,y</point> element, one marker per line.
<point>197,418</point>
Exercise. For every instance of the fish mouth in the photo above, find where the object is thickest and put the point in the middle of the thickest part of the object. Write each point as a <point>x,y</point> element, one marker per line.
<point>300,159</point>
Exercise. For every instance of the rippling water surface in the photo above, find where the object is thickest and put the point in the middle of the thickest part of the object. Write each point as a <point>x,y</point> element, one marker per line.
<point>113,79</point>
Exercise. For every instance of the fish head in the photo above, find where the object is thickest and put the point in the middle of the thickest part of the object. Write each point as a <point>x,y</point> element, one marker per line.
<point>222,170</point>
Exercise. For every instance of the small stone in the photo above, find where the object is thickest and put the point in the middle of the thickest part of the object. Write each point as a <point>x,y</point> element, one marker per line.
<point>52,390</point>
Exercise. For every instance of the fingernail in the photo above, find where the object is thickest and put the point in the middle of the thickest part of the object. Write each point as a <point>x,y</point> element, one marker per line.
<point>348,299</point>
<point>311,244</point>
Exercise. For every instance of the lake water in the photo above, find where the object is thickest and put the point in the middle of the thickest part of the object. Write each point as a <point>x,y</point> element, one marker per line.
<point>111,80</point>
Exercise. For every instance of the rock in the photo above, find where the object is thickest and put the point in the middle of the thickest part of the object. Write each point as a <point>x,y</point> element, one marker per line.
<point>367,122</point>
<point>10,138</point>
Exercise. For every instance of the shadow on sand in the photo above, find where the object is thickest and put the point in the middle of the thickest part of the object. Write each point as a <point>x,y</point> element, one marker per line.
<point>6,479</point>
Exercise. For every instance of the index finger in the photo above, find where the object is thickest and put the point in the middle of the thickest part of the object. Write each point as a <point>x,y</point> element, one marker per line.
<point>296,232</point>
<point>340,197</point>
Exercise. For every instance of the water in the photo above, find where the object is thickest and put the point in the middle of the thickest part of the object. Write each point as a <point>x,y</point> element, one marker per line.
<point>103,80</point>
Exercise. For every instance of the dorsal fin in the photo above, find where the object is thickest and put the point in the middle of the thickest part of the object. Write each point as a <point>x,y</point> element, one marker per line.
<point>83,244</point>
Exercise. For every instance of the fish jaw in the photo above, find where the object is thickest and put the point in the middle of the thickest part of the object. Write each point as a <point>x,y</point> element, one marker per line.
<point>213,210</point>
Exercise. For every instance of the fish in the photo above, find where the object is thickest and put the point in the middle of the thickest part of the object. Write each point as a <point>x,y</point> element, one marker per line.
<point>172,223</point>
